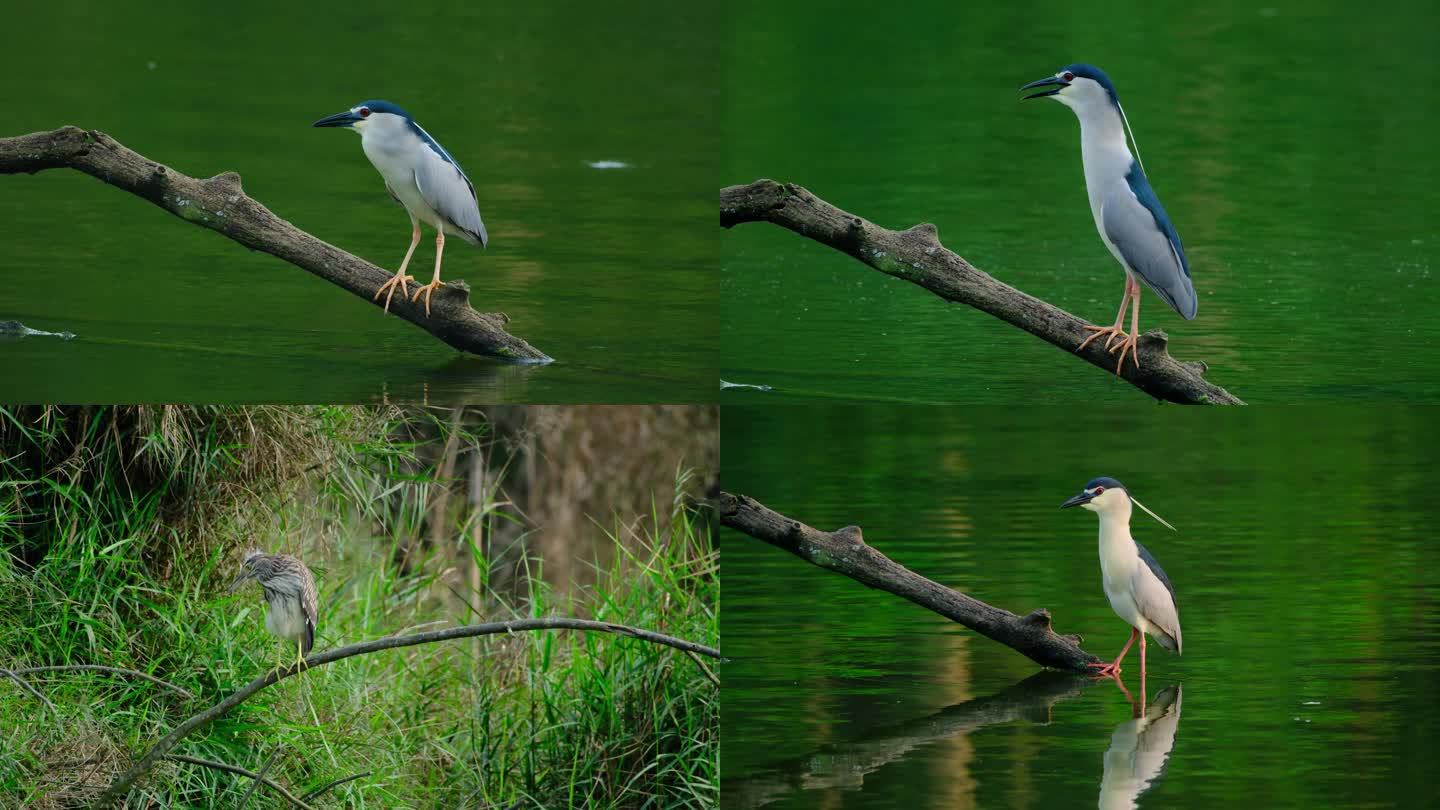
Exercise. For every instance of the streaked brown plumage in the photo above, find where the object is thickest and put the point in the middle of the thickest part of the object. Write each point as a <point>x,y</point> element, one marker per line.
<point>289,589</point>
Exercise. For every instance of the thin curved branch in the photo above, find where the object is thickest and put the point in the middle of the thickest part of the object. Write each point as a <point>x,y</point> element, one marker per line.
<point>14,675</point>
<point>259,778</point>
<point>221,205</point>
<point>331,785</point>
<point>844,551</point>
<point>119,670</point>
<point>122,784</point>
<point>255,784</point>
<point>917,256</point>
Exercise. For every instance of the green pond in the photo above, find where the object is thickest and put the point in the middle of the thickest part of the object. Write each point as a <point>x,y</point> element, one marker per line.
<point>1288,141</point>
<point>1305,569</point>
<point>611,271</point>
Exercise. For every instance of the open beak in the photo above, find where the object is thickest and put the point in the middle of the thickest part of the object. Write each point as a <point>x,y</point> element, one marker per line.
<point>1082,498</point>
<point>1050,81</point>
<point>344,119</point>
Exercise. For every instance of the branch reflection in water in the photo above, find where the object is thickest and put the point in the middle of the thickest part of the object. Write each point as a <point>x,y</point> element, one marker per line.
<point>1139,747</point>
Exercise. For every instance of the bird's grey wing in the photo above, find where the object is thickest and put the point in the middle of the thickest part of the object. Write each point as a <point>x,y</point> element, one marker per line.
<point>311,603</point>
<point>1156,599</point>
<point>1138,227</point>
<point>449,192</point>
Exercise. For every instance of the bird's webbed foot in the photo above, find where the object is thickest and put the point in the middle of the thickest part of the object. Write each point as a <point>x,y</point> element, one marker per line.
<point>401,280</point>
<point>427,291</point>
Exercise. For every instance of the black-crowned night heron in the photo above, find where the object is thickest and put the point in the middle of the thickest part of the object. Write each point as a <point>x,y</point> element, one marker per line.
<point>421,176</point>
<point>289,589</point>
<point>1138,589</point>
<point>1131,221</point>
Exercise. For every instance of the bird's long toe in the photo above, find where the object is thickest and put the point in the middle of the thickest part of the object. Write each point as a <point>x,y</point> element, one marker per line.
<point>1108,332</point>
<point>427,290</point>
<point>399,279</point>
<point>1126,344</point>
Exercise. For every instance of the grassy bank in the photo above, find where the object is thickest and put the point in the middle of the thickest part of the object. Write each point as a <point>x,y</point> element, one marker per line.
<point>122,528</point>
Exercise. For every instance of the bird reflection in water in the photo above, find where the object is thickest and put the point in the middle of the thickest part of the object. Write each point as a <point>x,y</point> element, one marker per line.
<point>1140,748</point>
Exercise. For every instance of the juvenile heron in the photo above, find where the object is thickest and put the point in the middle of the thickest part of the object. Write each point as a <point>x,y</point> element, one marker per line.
<point>289,589</point>
<point>1131,221</point>
<point>1138,589</point>
<point>421,176</point>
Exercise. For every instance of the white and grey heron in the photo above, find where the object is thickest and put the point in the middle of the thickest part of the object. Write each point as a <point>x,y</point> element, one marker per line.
<point>421,176</point>
<point>1136,585</point>
<point>1128,215</point>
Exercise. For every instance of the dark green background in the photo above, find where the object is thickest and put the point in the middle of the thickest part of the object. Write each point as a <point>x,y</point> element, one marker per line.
<point>1291,142</point>
<point>1304,567</point>
<point>612,272</point>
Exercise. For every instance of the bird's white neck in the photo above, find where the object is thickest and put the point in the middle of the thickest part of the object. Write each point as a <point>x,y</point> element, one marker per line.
<point>1103,149</point>
<point>1101,127</point>
<point>1117,547</point>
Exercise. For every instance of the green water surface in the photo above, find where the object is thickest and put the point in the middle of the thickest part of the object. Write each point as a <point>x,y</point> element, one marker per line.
<point>1287,141</point>
<point>609,271</point>
<point>1305,571</point>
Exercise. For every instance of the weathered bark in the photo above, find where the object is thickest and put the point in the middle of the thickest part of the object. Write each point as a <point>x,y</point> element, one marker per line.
<point>122,784</point>
<point>844,551</point>
<point>916,256</point>
<point>844,766</point>
<point>220,205</point>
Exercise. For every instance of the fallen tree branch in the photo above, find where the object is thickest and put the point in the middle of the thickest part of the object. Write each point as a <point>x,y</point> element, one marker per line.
<point>259,778</point>
<point>121,786</point>
<point>118,670</point>
<point>917,256</point>
<point>844,551</point>
<point>220,205</point>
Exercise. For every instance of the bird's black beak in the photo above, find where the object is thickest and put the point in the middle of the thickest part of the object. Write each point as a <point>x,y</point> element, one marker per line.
<point>1082,498</point>
<point>240,580</point>
<point>1049,81</point>
<point>343,119</point>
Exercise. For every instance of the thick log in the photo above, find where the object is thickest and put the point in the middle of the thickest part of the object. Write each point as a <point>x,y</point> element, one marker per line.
<point>844,551</point>
<point>916,256</point>
<point>221,205</point>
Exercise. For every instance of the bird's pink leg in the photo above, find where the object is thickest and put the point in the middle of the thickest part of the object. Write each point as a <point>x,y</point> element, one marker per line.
<point>1111,332</point>
<point>1130,341</point>
<point>435,282</point>
<point>1142,663</point>
<point>400,278</point>
<point>1112,668</point>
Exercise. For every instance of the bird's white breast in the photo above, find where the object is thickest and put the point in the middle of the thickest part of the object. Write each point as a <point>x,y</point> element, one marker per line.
<point>286,619</point>
<point>1118,558</point>
<point>1107,160</point>
<point>393,153</point>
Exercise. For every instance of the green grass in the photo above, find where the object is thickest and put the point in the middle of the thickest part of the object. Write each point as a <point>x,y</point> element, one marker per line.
<point>123,525</point>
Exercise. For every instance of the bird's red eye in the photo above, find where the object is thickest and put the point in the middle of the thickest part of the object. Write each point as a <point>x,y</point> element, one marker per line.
<point>1069,76</point>
<point>1099,490</point>
<point>364,112</point>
